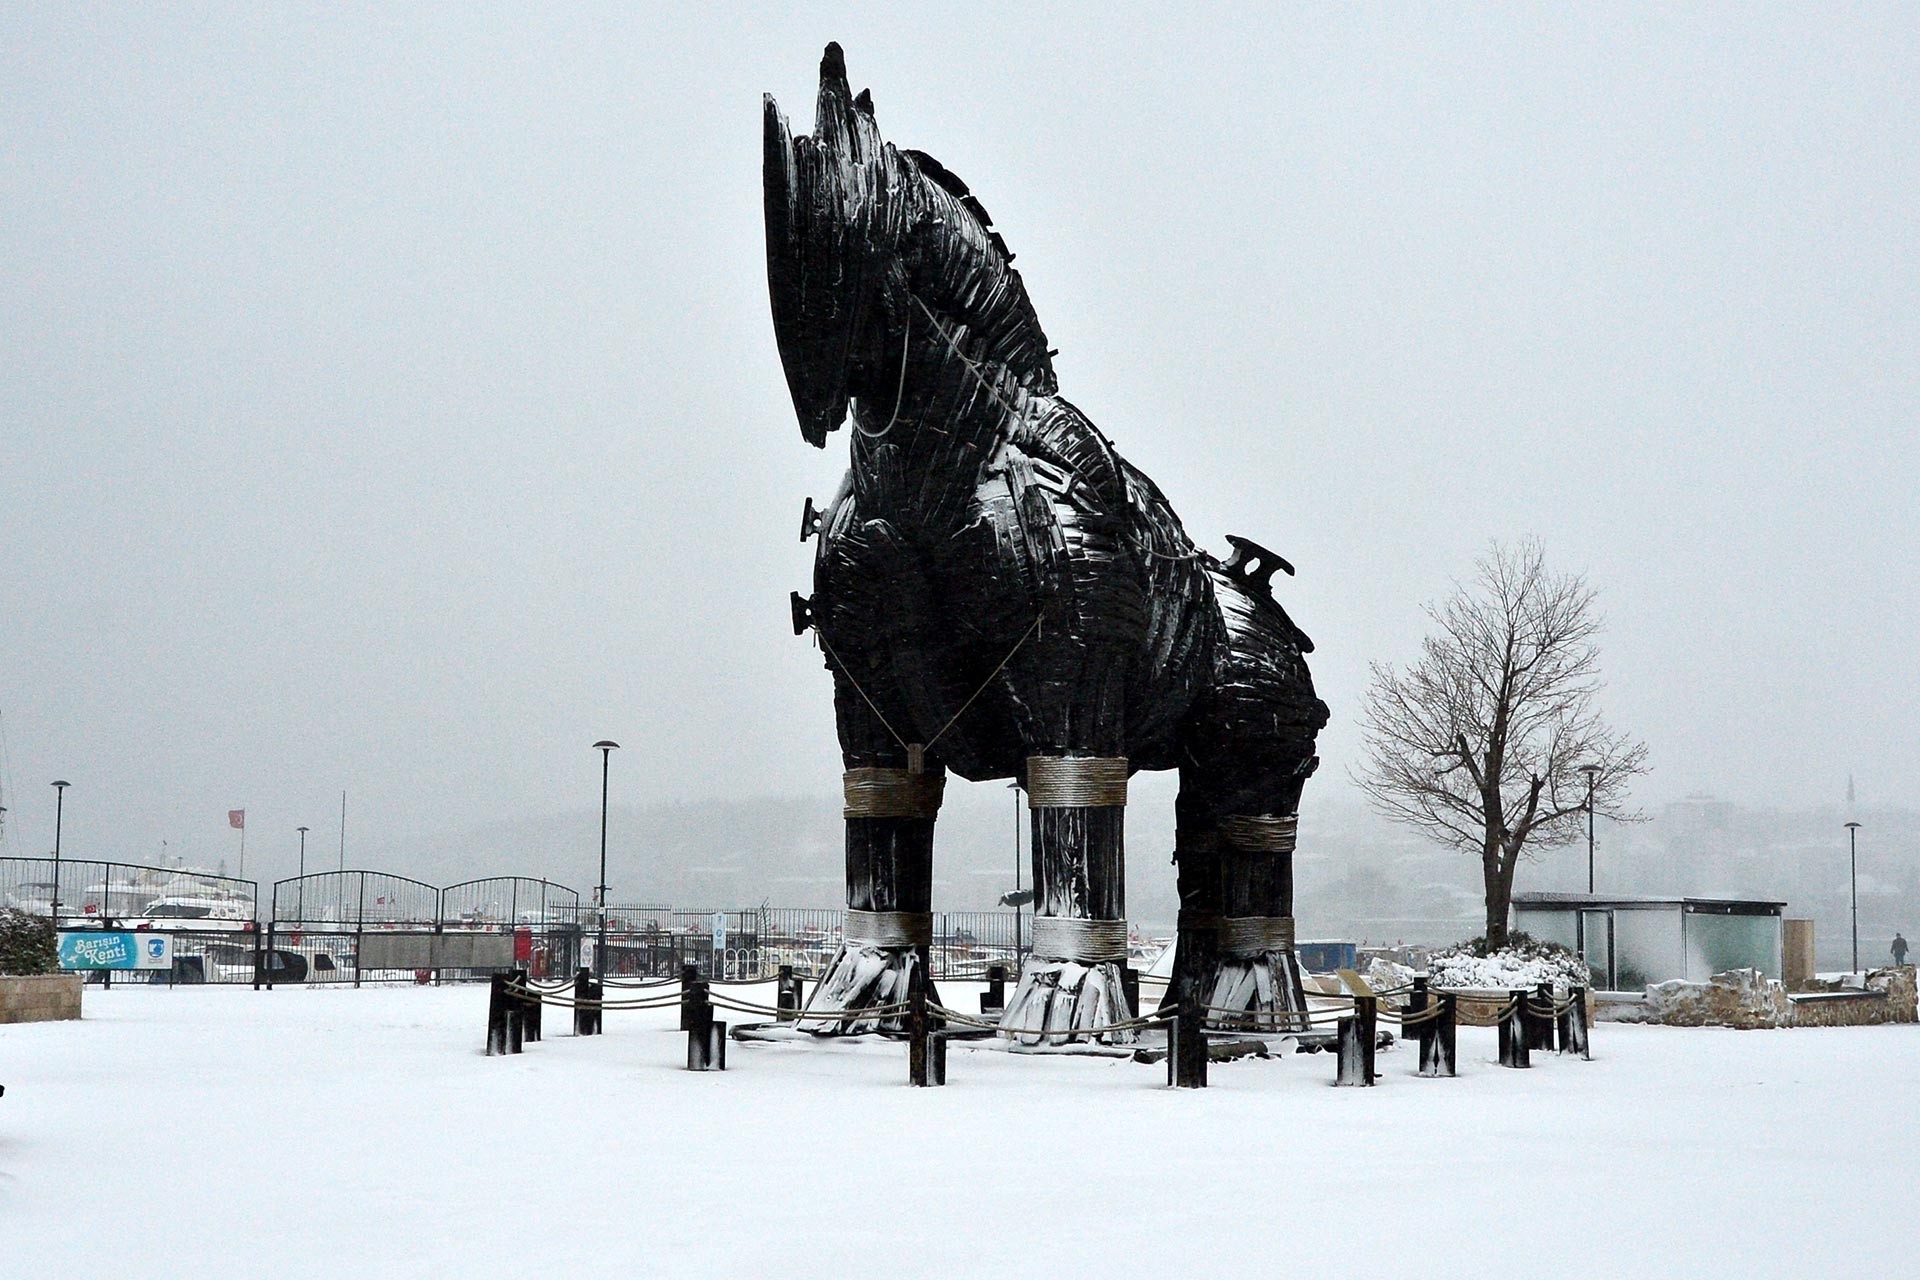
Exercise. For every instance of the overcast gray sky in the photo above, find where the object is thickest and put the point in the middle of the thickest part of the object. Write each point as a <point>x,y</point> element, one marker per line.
<point>390,401</point>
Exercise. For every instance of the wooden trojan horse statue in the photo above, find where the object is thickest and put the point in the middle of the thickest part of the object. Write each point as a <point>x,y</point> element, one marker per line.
<point>999,594</point>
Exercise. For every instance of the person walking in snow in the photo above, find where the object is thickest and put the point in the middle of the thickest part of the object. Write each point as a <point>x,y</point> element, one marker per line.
<point>1899,950</point>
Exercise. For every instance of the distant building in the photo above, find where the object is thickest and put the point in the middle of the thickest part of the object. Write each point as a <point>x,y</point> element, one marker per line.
<point>1632,942</point>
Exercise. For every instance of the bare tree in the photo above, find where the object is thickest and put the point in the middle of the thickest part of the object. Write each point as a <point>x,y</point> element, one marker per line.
<point>1482,743</point>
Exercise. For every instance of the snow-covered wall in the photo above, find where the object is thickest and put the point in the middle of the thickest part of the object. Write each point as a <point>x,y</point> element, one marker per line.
<point>1749,1000</point>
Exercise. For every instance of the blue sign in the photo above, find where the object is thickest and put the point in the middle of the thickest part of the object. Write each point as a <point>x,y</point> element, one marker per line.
<point>99,949</point>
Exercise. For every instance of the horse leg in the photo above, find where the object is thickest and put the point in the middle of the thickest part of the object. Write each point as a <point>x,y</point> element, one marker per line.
<point>1070,984</point>
<point>888,933</point>
<point>1235,945</point>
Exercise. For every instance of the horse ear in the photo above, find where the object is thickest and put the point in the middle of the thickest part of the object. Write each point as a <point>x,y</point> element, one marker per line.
<point>845,130</point>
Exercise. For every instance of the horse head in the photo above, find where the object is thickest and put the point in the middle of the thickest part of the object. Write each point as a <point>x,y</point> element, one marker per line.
<point>860,237</point>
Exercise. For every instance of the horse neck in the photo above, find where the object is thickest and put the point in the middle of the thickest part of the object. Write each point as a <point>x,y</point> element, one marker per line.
<point>923,439</point>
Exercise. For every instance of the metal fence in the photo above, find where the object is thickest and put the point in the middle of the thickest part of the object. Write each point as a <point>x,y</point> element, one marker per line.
<point>656,941</point>
<point>127,894</point>
<point>965,943</point>
<point>319,924</point>
<point>509,901</point>
<point>316,924</point>
<point>653,940</point>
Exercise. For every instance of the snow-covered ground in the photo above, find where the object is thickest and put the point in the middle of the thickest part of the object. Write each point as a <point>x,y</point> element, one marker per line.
<point>344,1133</point>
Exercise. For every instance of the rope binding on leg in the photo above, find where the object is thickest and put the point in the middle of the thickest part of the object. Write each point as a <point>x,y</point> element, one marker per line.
<point>875,792</point>
<point>1076,782</point>
<point>1079,941</point>
<point>1259,832</point>
<point>888,928</point>
<point>1249,937</point>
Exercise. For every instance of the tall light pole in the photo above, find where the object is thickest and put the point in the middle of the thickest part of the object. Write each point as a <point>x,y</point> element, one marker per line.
<point>59,810</point>
<point>606,750</point>
<point>301,896</point>
<point>1592,771</point>
<point>1853,889</point>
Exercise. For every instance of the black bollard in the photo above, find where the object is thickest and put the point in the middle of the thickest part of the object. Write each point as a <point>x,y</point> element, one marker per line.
<point>1437,1037</point>
<point>1513,1033</point>
<point>920,1034</point>
<point>531,1005</point>
<point>994,998</point>
<point>937,1058</point>
<point>1412,1024</point>
<point>790,994</point>
<point>1130,986</point>
<point>696,1014</point>
<point>689,978</point>
<point>1187,1048</point>
<point>1577,1024</point>
<point>497,1015</point>
<point>1356,1040</point>
<point>1540,1007</point>
<point>582,1016</point>
<point>597,993</point>
<point>516,1019</point>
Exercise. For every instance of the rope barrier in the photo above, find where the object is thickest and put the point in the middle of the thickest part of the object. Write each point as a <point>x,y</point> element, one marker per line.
<point>560,1002</point>
<point>1128,1024</point>
<point>1465,1012</point>
<point>839,1015</point>
<point>1308,1016</point>
<point>962,1019</point>
<point>1469,1017</point>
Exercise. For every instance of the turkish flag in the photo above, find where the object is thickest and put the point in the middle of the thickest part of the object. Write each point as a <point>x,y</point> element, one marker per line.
<point>237,819</point>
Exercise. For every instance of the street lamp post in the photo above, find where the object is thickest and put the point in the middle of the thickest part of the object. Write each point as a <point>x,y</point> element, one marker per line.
<point>606,750</point>
<point>1853,889</point>
<point>1592,771</point>
<point>59,811</point>
<point>301,896</point>
<point>1018,941</point>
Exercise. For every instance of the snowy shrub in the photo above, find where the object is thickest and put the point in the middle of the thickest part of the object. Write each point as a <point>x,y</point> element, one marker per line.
<point>26,944</point>
<point>1523,962</point>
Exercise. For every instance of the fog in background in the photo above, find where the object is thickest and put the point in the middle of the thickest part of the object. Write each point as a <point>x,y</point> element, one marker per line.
<point>389,403</point>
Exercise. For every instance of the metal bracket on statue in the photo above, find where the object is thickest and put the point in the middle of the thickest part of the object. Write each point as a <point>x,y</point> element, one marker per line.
<point>810,517</point>
<point>1253,564</point>
<point>802,612</point>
